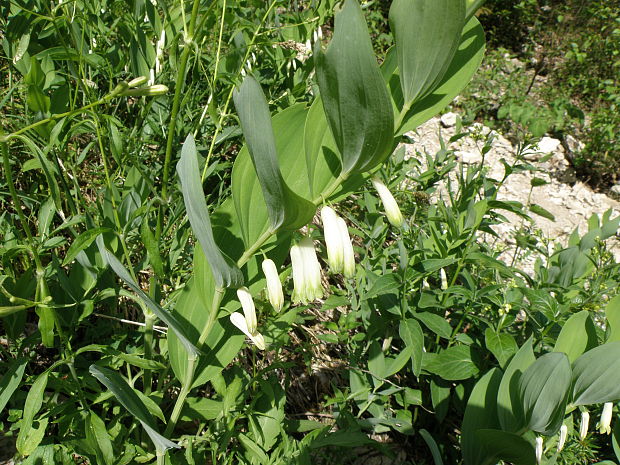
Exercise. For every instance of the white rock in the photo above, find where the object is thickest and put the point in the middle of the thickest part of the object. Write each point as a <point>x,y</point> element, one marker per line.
<point>469,158</point>
<point>573,144</point>
<point>548,145</point>
<point>616,189</point>
<point>448,120</point>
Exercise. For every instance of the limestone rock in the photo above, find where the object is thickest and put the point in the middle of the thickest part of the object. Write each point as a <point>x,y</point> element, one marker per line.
<point>448,120</point>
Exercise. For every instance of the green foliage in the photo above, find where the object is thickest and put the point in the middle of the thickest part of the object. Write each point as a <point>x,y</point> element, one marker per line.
<point>100,244</point>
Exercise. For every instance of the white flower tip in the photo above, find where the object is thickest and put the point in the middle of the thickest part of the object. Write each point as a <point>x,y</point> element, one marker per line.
<point>274,286</point>
<point>583,429</point>
<point>247,304</point>
<point>562,439</point>
<point>392,211</point>
<point>539,449</point>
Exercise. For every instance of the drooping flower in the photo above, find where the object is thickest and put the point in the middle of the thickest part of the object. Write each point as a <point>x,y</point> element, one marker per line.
<point>562,439</point>
<point>348,268</point>
<point>583,428</point>
<point>306,272</point>
<point>444,279</point>
<point>274,286</point>
<point>392,211</point>
<point>333,239</point>
<point>240,322</point>
<point>604,425</point>
<point>247,304</point>
<point>539,449</point>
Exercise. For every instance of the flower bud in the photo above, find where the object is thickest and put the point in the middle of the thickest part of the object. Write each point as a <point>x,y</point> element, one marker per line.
<point>247,304</point>
<point>444,279</point>
<point>240,322</point>
<point>348,269</point>
<point>137,81</point>
<point>562,440</point>
<point>583,428</point>
<point>306,272</point>
<point>274,286</point>
<point>539,449</point>
<point>392,211</point>
<point>604,425</point>
<point>333,239</point>
<point>148,91</point>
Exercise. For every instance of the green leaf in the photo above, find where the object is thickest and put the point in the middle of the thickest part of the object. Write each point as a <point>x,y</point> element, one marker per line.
<point>540,211</point>
<point>454,363</point>
<point>29,437</point>
<point>432,445</point>
<point>543,390</point>
<point>388,283</point>
<point>165,316</point>
<point>480,413</point>
<point>596,375</point>
<point>152,247</point>
<point>502,346</point>
<point>99,439</point>
<point>509,447</point>
<point>285,208</point>
<point>577,336</point>
<point>509,409</point>
<point>82,242</point>
<point>612,313</point>
<point>427,35</point>
<point>130,400</point>
<point>225,272</point>
<point>201,409</point>
<point>354,95</point>
<point>435,323</point>
<point>11,379</point>
<point>413,337</point>
<point>463,66</point>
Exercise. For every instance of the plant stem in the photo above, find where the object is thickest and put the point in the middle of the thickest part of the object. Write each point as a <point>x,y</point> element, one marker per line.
<point>176,105</point>
<point>7,137</point>
<point>190,369</point>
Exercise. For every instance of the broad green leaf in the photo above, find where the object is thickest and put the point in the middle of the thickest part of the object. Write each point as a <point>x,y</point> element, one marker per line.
<point>427,35</point>
<point>540,211</point>
<point>10,380</point>
<point>29,437</point>
<point>577,336</point>
<point>354,95</point>
<point>612,313</point>
<point>82,242</point>
<point>99,439</point>
<point>250,210</point>
<point>509,409</point>
<point>435,323</point>
<point>130,400</point>
<point>543,390</point>
<point>463,66</point>
<point>285,208</point>
<point>413,337</point>
<point>596,375</point>
<point>509,447</point>
<point>454,363</point>
<point>502,346</point>
<point>388,283</point>
<point>225,272</point>
<point>201,409</point>
<point>480,413</point>
<point>165,316</point>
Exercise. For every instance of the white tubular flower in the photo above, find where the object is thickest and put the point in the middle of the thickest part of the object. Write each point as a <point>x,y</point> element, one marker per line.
<point>444,279</point>
<point>247,304</point>
<point>348,269</point>
<point>274,286</point>
<point>159,51</point>
<point>306,272</point>
<point>257,338</point>
<point>604,425</point>
<point>333,239</point>
<point>583,428</point>
<point>562,440</point>
<point>539,449</point>
<point>392,211</point>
